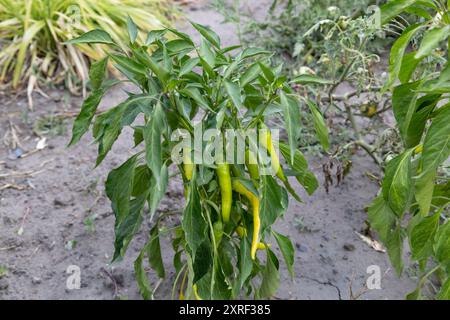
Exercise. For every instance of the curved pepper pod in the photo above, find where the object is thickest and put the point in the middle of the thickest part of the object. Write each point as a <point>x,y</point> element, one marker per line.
<point>223,173</point>
<point>254,202</point>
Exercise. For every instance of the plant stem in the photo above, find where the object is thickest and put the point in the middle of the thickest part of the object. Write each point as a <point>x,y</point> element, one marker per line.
<point>213,238</point>
<point>343,76</point>
<point>359,140</point>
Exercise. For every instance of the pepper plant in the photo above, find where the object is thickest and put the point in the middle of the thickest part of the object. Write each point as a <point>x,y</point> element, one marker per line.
<point>417,180</point>
<point>223,239</point>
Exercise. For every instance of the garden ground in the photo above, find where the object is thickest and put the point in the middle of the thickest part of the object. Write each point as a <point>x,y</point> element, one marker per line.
<point>54,213</point>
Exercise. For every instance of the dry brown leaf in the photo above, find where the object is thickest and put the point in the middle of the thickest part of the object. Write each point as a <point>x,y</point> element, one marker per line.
<point>372,243</point>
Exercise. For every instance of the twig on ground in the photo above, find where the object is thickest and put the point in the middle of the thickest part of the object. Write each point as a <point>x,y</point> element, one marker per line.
<point>22,224</point>
<point>359,294</point>
<point>25,173</point>
<point>12,186</point>
<point>11,137</point>
<point>20,174</point>
<point>35,251</point>
<point>113,280</point>
<point>9,248</point>
<point>94,203</point>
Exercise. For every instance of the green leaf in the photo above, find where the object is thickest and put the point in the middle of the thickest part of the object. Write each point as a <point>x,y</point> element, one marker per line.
<point>291,111</point>
<point>381,217</point>
<point>422,235</point>
<point>431,40</point>
<point>221,288</point>
<point>153,132</point>
<point>311,79</point>
<point>202,260</point>
<point>84,118</point>
<point>141,180</point>
<point>420,11</point>
<point>245,264</point>
<point>188,65</point>
<point>132,30</point>
<point>394,245</point>
<point>424,188</point>
<point>94,36</point>
<point>393,8</point>
<point>409,65</point>
<point>424,107</point>
<point>398,52</point>
<point>144,58</point>
<point>287,249</point>
<point>180,34</point>
<point>442,243</point>
<point>193,223</point>
<point>397,183</point>
<point>231,68</point>
<point>207,54</point>
<point>234,92</point>
<point>108,125</point>
<point>250,74</point>
<point>154,35</point>
<point>273,203</point>
<point>436,147</point>
<point>270,276</point>
<point>268,73</point>
<point>141,277</point>
<point>129,65</point>
<point>119,186</point>
<point>97,73</point>
<point>415,295</point>
<point>319,125</point>
<point>251,52</point>
<point>153,249</point>
<point>196,95</point>
<point>128,227</point>
<point>300,166</point>
<point>291,190</point>
<point>158,190</point>
<point>444,294</point>
<point>179,45</point>
<point>435,86</point>
<point>404,102</point>
<point>208,34</point>
<point>128,213</point>
<point>440,194</point>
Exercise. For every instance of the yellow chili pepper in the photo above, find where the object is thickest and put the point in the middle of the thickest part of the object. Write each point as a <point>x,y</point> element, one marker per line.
<point>252,164</point>
<point>263,246</point>
<point>188,165</point>
<point>218,231</point>
<point>197,297</point>
<point>418,149</point>
<point>223,173</point>
<point>242,232</point>
<point>267,143</point>
<point>182,297</point>
<point>254,201</point>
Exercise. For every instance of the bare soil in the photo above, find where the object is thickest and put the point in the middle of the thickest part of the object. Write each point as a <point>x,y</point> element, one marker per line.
<point>46,197</point>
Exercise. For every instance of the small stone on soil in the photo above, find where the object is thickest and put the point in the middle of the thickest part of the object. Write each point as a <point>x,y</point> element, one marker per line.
<point>3,284</point>
<point>349,247</point>
<point>36,280</point>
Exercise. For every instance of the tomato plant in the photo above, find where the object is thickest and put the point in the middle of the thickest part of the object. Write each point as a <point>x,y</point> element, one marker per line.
<point>417,180</point>
<point>221,244</point>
